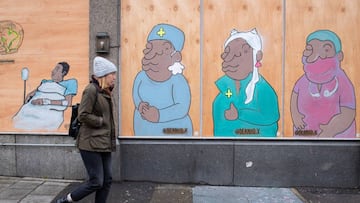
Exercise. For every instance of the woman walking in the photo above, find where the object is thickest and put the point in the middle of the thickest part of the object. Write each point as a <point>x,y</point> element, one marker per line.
<point>96,139</point>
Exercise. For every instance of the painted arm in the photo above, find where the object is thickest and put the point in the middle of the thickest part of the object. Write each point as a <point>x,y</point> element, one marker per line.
<point>296,116</point>
<point>265,110</point>
<point>65,100</point>
<point>135,92</point>
<point>338,123</point>
<point>180,107</point>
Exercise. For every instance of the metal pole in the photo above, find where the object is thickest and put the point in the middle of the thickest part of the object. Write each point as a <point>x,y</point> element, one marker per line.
<point>24,77</point>
<point>24,90</point>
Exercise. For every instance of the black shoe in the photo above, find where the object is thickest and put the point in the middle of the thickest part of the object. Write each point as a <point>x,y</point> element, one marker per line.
<point>62,200</point>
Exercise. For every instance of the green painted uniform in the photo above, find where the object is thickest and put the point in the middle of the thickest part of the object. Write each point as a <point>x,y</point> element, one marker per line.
<point>257,118</point>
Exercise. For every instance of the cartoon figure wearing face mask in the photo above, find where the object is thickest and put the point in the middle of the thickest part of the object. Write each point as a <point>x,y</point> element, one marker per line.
<point>323,99</point>
<point>246,105</point>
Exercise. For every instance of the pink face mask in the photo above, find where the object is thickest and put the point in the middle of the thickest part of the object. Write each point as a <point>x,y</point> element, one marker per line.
<point>322,70</point>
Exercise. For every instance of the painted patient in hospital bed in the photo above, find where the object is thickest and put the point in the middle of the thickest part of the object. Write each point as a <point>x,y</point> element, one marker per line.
<point>45,106</point>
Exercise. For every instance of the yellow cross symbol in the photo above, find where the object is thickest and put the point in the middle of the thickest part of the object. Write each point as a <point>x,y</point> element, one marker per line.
<point>161,32</point>
<point>228,93</point>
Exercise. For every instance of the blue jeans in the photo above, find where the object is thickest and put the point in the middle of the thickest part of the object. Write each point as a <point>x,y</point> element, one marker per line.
<point>98,167</point>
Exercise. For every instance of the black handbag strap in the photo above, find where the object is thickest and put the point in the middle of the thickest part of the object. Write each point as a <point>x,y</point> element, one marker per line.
<point>96,97</point>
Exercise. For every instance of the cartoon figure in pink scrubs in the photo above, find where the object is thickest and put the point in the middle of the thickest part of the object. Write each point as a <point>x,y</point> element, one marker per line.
<point>323,99</point>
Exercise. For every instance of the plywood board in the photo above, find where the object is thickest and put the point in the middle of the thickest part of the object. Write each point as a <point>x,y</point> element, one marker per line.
<point>53,32</point>
<point>303,18</point>
<point>137,19</point>
<point>220,17</point>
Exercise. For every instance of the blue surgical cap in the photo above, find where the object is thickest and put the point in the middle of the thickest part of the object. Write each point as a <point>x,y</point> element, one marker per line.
<point>170,33</point>
<point>324,35</point>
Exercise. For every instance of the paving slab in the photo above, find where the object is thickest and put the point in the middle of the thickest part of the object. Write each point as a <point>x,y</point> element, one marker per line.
<point>330,195</point>
<point>50,188</point>
<point>217,194</point>
<point>172,193</point>
<point>30,190</point>
<point>37,199</point>
<point>8,201</point>
<point>5,182</point>
<point>26,184</point>
<point>14,194</point>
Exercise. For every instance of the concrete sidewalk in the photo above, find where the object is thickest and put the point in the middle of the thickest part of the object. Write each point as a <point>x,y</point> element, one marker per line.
<point>34,190</point>
<point>30,190</point>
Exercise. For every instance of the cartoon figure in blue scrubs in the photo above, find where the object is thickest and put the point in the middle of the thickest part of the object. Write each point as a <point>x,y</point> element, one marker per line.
<point>246,105</point>
<point>161,93</point>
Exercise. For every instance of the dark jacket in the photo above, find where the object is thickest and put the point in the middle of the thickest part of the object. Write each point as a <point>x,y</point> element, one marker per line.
<point>97,130</point>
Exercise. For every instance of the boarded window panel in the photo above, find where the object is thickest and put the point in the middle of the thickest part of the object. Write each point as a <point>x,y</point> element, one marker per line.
<point>53,32</point>
<point>137,19</point>
<point>304,17</point>
<point>220,17</point>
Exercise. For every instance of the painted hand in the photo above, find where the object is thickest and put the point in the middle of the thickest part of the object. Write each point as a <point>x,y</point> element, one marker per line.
<point>142,106</point>
<point>150,113</point>
<point>298,121</point>
<point>326,131</point>
<point>232,113</point>
<point>37,102</point>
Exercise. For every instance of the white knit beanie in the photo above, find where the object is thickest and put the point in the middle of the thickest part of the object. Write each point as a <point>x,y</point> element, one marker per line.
<point>102,67</point>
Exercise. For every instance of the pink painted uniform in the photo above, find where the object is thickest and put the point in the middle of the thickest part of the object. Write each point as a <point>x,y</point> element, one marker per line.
<point>320,107</point>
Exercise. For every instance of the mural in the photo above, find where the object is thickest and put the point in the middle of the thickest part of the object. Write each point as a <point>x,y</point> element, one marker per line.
<point>323,98</point>
<point>44,107</point>
<point>11,37</point>
<point>246,105</point>
<point>265,82</point>
<point>161,93</point>
<point>32,48</point>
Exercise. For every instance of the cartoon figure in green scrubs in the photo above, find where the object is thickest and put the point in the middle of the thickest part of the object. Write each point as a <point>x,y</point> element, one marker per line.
<point>246,105</point>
